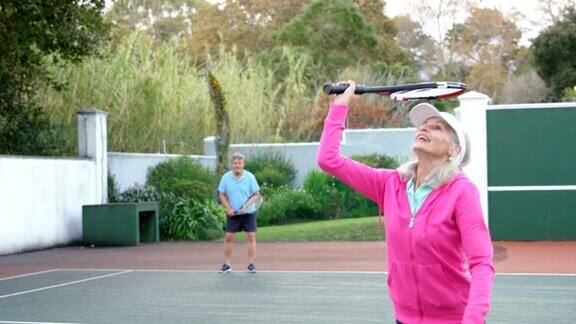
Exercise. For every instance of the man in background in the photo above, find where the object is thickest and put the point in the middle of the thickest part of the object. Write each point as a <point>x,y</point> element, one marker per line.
<point>238,190</point>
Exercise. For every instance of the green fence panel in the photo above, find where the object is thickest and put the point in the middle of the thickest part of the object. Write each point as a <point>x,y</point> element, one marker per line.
<point>532,215</point>
<point>529,147</point>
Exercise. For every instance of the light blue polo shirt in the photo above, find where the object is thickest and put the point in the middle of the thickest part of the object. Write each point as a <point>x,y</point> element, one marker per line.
<point>417,197</point>
<point>239,190</point>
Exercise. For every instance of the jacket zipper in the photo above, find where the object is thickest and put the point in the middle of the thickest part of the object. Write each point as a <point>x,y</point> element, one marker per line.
<point>420,311</point>
<point>411,243</point>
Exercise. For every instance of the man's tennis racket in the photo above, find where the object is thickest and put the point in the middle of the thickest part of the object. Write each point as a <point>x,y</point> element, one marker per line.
<point>403,92</point>
<point>250,205</point>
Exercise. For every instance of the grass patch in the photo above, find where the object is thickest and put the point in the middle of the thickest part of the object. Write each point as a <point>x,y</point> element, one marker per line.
<point>350,229</point>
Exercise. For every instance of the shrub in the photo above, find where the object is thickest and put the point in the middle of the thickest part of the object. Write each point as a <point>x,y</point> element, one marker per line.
<point>376,160</point>
<point>323,188</point>
<point>268,191</point>
<point>113,191</point>
<point>288,205</point>
<point>271,168</point>
<point>139,193</point>
<point>191,219</point>
<point>338,200</point>
<point>167,203</point>
<point>270,177</point>
<point>183,177</point>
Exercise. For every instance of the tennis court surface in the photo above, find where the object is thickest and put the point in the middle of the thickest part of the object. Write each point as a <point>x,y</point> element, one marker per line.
<point>130,295</point>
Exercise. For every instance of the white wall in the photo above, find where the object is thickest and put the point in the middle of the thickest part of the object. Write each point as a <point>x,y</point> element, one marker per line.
<point>396,143</point>
<point>302,154</point>
<point>130,169</point>
<point>42,200</point>
<point>42,197</point>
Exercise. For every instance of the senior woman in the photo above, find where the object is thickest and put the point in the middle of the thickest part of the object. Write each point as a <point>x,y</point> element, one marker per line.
<point>439,250</point>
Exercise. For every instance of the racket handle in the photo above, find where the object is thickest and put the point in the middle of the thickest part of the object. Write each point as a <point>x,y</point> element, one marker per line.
<point>334,88</point>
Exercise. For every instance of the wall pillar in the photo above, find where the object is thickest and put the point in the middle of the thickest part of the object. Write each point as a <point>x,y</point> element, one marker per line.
<point>93,144</point>
<point>472,115</point>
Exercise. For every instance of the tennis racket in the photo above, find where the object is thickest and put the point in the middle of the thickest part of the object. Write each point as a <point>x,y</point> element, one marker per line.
<point>250,206</point>
<point>403,92</point>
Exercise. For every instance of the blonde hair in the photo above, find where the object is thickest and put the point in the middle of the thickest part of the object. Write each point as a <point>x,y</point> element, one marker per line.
<point>442,173</point>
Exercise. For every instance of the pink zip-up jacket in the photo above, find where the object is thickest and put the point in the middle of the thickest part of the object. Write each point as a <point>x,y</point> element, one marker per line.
<point>440,270</point>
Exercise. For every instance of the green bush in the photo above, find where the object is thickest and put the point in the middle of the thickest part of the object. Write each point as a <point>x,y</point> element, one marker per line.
<point>288,205</point>
<point>375,160</point>
<point>324,189</point>
<point>167,203</point>
<point>271,168</point>
<point>139,193</point>
<point>113,191</point>
<point>268,191</point>
<point>270,177</point>
<point>183,177</point>
<point>336,199</point>
<point>193,220</point>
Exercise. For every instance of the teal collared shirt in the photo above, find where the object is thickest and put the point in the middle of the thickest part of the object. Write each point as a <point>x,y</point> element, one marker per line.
<point>417,197</point>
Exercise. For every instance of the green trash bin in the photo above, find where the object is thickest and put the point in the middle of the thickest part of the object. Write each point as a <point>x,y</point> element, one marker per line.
<point>120,223</point>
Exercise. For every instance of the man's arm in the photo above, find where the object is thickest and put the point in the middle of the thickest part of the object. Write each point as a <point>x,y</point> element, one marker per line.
<point>226,203</point>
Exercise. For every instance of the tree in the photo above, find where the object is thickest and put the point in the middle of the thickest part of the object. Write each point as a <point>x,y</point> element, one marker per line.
<point>335,34</point>
<point>31,32</point>
<point>423,52</point>
<point>526,87</point>
<point>553,51</point>
<point>162,19</point>
<point>437,17</point>
<point>385,30</point>
<point>222,122</point>
<point>487,44</point>
<point>555,10</point>
<point>247,25</point>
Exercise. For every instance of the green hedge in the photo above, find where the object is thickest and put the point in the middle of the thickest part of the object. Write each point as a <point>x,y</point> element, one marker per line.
<point>271,169</point>
<point>336,199</point>
<point>286,205</point>
<point>183,177</point>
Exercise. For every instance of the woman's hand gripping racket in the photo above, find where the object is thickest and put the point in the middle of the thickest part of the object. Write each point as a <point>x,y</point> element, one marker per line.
<point>251,205</point>
<point>403,92</point>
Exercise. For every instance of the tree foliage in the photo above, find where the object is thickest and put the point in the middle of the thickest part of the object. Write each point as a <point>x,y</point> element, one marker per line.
<point>487,45</point>
<point>246,25</point>
<point>423,52</point>
<point>553,51</point>
<point>163,20</point>
<point>439,16</point>
<point>222,122</point>
<point>335,34</point>
<point>385,30</point>
<point>32,32</point>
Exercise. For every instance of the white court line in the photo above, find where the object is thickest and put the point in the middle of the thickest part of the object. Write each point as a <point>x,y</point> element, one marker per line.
<point>14,322</point>
<point>64,284</point>
<point>310,271</point>
<point>28,274</point>
<point>216,271</point>
<point>532,188</point>
<point>535,274</point>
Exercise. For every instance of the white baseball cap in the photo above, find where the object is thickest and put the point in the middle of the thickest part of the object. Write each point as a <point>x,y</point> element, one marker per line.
<point>422,111</point>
